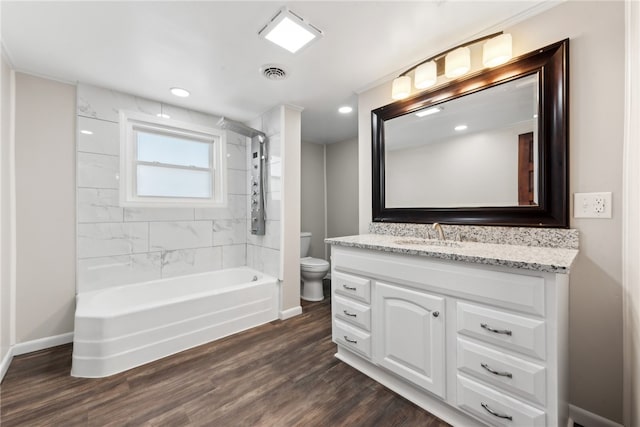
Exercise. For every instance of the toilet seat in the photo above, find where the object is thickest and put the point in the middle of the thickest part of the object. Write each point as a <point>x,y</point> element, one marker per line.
<point>313,264</point>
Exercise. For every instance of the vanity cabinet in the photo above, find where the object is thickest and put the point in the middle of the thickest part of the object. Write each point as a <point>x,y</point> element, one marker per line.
<point>409,335</point>
<point>473,344</point>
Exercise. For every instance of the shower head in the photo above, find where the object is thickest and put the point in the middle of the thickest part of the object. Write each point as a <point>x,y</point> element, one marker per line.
<point>240,128</point>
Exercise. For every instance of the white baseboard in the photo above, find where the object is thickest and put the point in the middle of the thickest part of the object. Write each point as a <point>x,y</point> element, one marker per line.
<point>4,364</point>
<point>290,312</point>
<point>42,343</point>
<point>589,419</point>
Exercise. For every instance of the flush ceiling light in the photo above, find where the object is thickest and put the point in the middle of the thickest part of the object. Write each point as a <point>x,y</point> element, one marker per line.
<point>290,31</point>
<point>182,93</point>
<point>428,111</point>
<point>345,109</point>
<point>460,128</point>
<point>455,62</point>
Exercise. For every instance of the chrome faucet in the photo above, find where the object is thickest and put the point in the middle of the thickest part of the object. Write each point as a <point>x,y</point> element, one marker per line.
<point>436,226</point>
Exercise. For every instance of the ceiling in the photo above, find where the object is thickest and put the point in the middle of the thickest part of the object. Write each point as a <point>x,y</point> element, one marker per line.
<point>212,49</point>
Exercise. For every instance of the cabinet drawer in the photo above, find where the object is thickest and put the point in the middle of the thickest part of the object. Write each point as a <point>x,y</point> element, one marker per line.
<point>512,291</point>
<point>352,312</point>
<point>496,408</point>
<point>352,286</point>
<point>504,329</point>
<point>505,371</point>
<point>352,338</point>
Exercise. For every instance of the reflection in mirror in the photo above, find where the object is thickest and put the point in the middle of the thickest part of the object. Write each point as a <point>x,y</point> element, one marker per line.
<point>484,143</point>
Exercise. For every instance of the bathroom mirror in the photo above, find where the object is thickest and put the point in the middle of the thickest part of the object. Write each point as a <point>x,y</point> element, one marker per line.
<point>489,149</point>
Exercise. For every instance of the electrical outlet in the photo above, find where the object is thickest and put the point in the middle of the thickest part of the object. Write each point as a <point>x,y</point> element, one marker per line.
<point>592,205</point>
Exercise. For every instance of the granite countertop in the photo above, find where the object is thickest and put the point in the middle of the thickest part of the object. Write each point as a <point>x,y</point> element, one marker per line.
<point>552,260</point>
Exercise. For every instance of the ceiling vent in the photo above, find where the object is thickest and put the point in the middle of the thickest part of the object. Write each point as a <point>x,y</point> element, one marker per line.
<point>273,72</point>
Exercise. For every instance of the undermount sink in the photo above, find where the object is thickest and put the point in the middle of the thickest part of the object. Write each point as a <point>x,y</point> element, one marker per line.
<point>428,242</point>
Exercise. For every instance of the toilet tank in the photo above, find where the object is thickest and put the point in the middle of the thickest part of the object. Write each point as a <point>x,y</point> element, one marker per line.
<point>305,242</point>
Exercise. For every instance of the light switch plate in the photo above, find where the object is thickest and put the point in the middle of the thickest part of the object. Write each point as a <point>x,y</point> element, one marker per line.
<point>592,205</point>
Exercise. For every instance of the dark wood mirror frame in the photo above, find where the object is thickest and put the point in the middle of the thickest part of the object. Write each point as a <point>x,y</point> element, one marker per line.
<point>551,64</point>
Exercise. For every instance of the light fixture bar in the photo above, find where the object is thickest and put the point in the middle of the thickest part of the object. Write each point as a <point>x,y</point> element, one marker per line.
<point>442,54</point>
<point>456,63</point>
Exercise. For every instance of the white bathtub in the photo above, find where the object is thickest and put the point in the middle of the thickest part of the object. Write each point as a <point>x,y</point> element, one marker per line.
<point>120,328</point>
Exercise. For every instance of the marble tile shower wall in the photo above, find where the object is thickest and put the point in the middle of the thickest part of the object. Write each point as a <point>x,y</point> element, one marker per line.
<point>263,252</point>
<point>117,245</point>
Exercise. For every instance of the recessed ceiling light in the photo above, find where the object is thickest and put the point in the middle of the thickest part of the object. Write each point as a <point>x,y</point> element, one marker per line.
<point>86,132</point>
<point>460,127</point>
<point>182,93</point>
<point>345,109</point>
<point>289,31</point>
<point>428,111</point>
<point>163,115</point>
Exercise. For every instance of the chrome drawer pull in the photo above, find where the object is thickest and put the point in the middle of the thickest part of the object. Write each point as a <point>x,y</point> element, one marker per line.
<point>351,341</point>
<point>502,374</point>
<point>494,413</point>
<point>349,288</point>
<point>349,314</point>
<point>496,331</point>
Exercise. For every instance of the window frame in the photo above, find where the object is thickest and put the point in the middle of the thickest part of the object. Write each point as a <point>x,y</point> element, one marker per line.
<point>133,122</point>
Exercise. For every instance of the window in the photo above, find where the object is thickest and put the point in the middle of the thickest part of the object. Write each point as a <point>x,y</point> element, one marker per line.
<point>170,163</point>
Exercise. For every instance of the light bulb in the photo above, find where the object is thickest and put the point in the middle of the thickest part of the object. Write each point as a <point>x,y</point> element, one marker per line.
<point>457,62</point>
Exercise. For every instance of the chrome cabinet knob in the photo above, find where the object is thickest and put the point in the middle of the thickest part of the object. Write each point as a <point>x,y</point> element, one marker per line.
<point>436,313</point>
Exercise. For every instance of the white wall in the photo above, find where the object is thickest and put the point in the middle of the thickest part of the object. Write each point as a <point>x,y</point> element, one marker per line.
<point>342,188</point>
<point>596,30</point>
<point>312,196</point>
<point>6,318</point>
<point>117,245</point>
<point>631,226</point>
<point>291,125</point>
<point>45,205</point>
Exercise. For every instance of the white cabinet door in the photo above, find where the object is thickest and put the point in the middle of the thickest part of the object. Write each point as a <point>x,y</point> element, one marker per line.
<point>409,335</point>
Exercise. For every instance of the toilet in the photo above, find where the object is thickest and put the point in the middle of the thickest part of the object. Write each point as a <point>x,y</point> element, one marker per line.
<point>312,271</point>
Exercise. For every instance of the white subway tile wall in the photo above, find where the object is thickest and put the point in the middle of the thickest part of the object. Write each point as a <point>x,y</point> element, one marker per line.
<point>118,246</point>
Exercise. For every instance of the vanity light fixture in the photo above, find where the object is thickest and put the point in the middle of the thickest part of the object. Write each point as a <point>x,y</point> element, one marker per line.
<point>428,111</point>
<point>453,63</point>
<point>457,63</point>
<point>179,92</point>
<point>86,132</point>
<point>345,109</point>
<point>497,50</point>
<point>460,128</point>
<point>426,75</point>
<point>289,31</point>
<point>401,87</point>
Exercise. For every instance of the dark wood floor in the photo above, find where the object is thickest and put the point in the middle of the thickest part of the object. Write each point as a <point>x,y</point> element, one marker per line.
<point>279,374</point>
